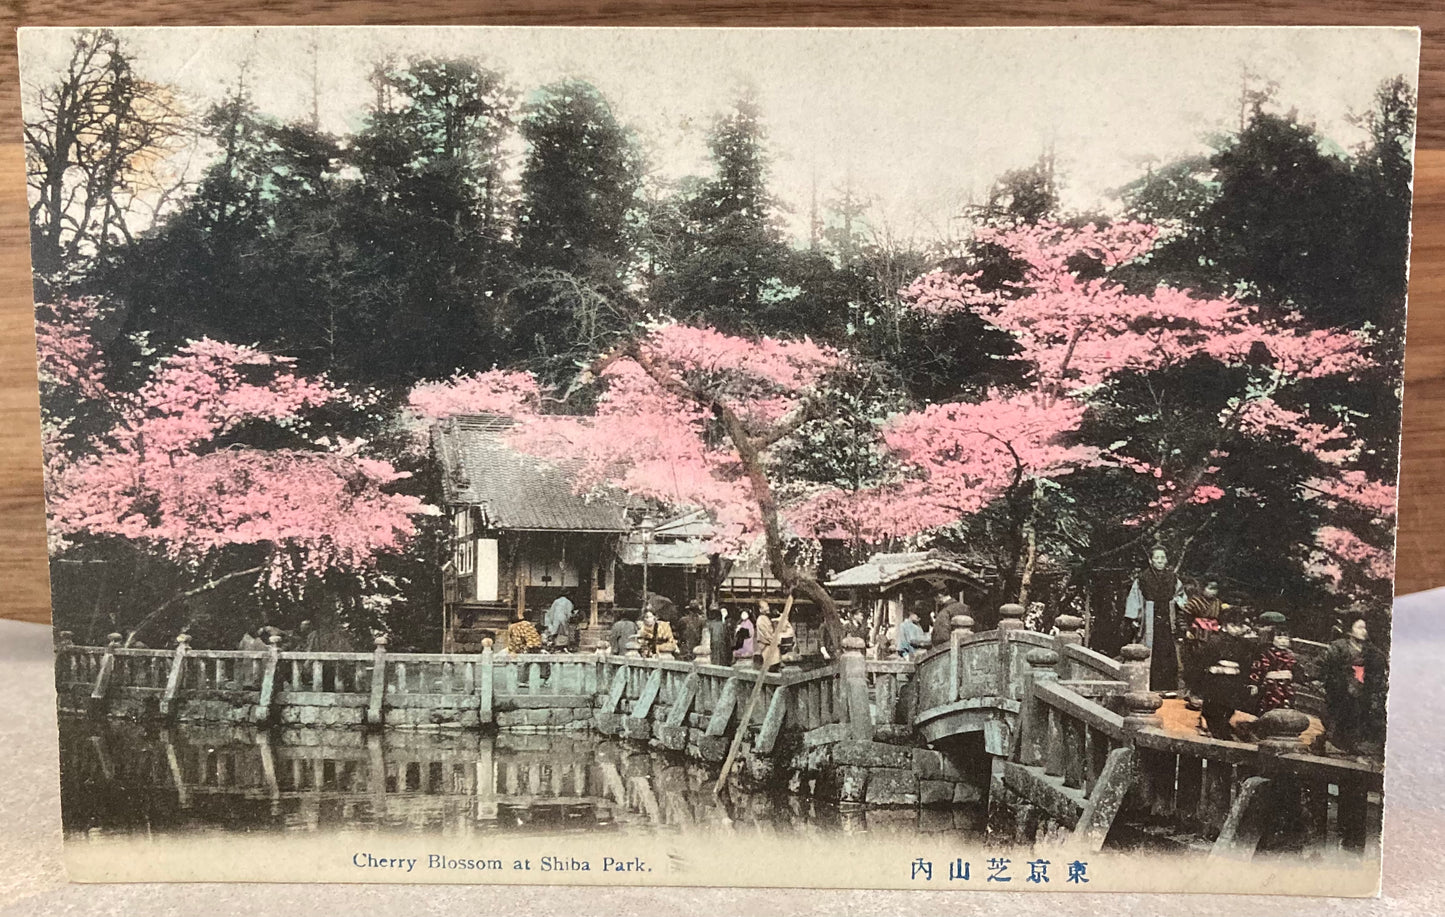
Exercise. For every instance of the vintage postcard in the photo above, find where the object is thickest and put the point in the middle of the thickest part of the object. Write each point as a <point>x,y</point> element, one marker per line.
<point>936,459</point>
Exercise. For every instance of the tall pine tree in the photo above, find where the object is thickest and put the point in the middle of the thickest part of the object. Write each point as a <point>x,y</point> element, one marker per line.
<point>576,227</point>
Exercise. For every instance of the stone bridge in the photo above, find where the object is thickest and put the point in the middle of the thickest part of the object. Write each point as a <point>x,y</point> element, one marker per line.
<point>1065,743</point>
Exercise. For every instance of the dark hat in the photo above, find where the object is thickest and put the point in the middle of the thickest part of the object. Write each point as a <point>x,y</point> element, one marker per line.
<point>1273,619</point>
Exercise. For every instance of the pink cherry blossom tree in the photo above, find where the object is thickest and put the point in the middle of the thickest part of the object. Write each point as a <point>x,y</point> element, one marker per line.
<point>170,475</point>
<point>686,416</point>
<point>691,417</point>
<point>1082,329</point>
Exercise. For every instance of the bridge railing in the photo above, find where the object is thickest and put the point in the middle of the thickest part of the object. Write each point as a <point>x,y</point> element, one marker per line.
<point>1083,759</point>
<point>891,691</point>
<point>988,671</point>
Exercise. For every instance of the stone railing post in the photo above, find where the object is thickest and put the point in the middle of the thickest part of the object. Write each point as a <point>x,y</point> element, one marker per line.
<point>374,705</point>
<point>632,647</point>
<point>1140,704</point>
<point>1070,634</point>
<point>853,670</point>
<point>1134,666</point>
<point>173,680</point>
<point>959,626</point>
<point>1279,731</point>
<point>1011,617</point>
<point>1033,712</point>
<point>486,684</point>
<point>1141,710</point>
<point>268,679</point>
<point>64,639</point>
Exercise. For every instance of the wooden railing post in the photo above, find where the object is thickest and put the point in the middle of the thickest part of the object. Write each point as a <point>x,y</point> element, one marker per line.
<point>173,680</point>
<point>1033,713</point>
<point>64,661</point>
<point>378,683</point>
<point>103,676</point>
<point>268,680</point>
<point>853,671</point>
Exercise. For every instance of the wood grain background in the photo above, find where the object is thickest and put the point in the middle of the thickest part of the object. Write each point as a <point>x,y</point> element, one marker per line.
<point>23,583</point>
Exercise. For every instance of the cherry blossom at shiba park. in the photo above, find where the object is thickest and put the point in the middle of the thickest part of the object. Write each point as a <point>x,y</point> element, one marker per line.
<point>463,435</point>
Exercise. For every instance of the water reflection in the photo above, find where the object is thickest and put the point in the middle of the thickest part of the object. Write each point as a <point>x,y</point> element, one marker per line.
<point>125,778</point>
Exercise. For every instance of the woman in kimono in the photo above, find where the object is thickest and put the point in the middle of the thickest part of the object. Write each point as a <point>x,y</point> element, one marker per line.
<point>1154,601</point>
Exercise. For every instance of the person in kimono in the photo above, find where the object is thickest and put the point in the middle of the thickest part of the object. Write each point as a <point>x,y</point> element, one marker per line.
<point>622,629</point>
<point>557,624</point>
<point>719,643</point>
<point>655,637</point>
<point>1224,687</point>
<point>1272,675</point>
<point>743,639</point>
<point>912,638</point>
<point>1201,623</point>
<point>1155,600</point>
<point>1353,671</point>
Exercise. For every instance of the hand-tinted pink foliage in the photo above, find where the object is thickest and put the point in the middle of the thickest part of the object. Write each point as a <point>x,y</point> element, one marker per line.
<point>68,355</point>
<point>1080,327</point>
<point>158,479</point>
<point>496,391</point>
<point>209,388</point>
<point>653,442</point>
<point>1341,547</point>
<point>960,457</point>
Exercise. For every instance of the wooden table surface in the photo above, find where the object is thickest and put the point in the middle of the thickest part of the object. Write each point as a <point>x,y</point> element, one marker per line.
<point>23,583</point>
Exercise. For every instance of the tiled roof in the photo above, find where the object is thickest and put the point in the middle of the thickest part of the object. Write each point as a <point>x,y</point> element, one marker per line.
<point>516,491</point>
<point>884,570</point>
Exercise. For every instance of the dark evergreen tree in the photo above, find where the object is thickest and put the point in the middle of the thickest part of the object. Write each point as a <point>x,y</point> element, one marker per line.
<point>427,220</point>
<point>576,228</point>
<point>730,270</point>
<point>252,256</point>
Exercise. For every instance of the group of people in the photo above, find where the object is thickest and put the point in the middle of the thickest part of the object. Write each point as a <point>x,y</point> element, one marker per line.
<point>1224,662</point>
<point>719,635</point>
<point>558,633</point>
<point>909,638</point>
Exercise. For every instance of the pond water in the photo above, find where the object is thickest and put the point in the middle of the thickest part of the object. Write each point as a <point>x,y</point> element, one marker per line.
<point>128,779</point>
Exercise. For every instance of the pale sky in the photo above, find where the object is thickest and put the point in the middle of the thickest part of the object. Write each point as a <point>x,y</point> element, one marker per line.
<point>921,118</point>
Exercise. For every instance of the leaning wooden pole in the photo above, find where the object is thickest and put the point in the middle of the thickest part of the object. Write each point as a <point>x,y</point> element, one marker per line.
<point>772,655</point>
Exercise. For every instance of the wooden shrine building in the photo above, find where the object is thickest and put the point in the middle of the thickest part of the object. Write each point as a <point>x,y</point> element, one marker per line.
<point>520,535</point>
